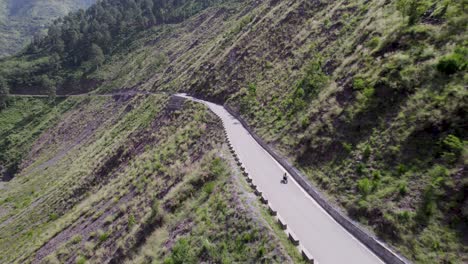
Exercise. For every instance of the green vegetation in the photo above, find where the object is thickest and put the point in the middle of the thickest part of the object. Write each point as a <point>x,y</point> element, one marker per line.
<point>77,45</point>
<point>371,114</point>
<point>142,181</point>
<point>21,21</point>
<point>367,98</point>
<point>21,123</point>
<point>4,91</point>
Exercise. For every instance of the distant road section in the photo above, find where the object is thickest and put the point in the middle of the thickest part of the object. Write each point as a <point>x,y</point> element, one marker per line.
<point>318,232</point>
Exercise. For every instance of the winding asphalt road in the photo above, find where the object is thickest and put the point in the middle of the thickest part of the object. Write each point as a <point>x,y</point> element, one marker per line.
<point>325,239</point>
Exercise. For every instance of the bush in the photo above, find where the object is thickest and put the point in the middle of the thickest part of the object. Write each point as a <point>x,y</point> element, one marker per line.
<point>401,169</point>
<point>412,9</point>
<point>404,216</point>
<point>402,188</point>
<point>209,187</point>
<point>360,169</point>
<point>359,84</point>
<point>252,89</point>
<point>428,206</point>
<point>453,147</point>
<point>348,147</point>
<point>80,260</point>
<point>131,221</point>
<point>103,236</point>
<point>53,216</point>
<point>366,153</point>
<point>364,186</point>
<point>76,239</point>
<point>451,64</point>
<point>453,144</point>
<point>181,253</point>
<point>373,42</point>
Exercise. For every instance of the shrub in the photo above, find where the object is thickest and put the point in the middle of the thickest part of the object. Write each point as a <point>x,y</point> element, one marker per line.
<point>305,121</point>
<point>451,64</point>
<point>209,187</point>
<point>360,168</point>
<point>348,147</point>
<point>252,89</point>
<point>404,216</point>
<point>366,153</point>
<point>401,169</point>
<point>364,186</point>
<point>103,236</point>
<point>402,188</point>
<point>314,80</point>
<point>376,175</point>
<point>76,239</point>
<point>181,253</point>
<point>373,42</point>
<point>131,221</point>
<point>428,205</point>
<point>80,260</point>
<point>368,92</point>
<point>411,9</point>
<point>453,144</point>
<point>454,148</point>
<point>217,167</point>
<point>359,84</point>
<point>53,217</point>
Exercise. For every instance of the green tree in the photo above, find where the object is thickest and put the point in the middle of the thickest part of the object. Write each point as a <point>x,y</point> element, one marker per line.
<point>96,55</point>
<point>49,87</point>
<point>410,9</point>
<point>4,91</point>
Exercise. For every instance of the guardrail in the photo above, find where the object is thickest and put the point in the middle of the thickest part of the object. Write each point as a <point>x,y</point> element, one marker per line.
<point>366,238</point>
<point>291,236</point>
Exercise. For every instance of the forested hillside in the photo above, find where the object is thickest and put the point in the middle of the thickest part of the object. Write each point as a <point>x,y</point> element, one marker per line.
<point>20,20</point>
<point>367,98</point>
<point>78,44</point>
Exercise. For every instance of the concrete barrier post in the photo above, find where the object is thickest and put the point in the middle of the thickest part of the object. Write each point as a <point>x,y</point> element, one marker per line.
<point>282,225</point>
<point>307,257</point>
<point>293,240</point>
<point>271,211</point>
<point>263,200</point>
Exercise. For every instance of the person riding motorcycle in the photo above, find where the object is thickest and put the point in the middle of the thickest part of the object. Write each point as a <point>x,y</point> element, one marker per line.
<point>285,178</point>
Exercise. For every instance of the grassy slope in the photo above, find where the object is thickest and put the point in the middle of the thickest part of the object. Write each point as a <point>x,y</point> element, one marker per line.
<point>21,124</point>
<point>352,93</point>
<point>113,172</point>
<point>371,128</point>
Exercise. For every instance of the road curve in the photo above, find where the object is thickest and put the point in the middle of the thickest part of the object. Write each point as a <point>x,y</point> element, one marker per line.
<point>325,239</point>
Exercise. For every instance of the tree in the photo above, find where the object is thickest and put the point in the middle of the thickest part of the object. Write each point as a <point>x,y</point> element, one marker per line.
<point>4,91</point>
<point>96,55</point>
<point>49,86</point>
<point>412,9</point>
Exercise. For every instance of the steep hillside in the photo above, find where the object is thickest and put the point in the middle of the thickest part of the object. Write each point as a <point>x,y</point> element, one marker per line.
<point>125,178</point>
<point>367,98</point>
<point>20,20</point>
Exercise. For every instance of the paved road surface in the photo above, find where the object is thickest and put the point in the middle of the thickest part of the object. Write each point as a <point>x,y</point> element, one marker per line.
<point>325,239</point>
